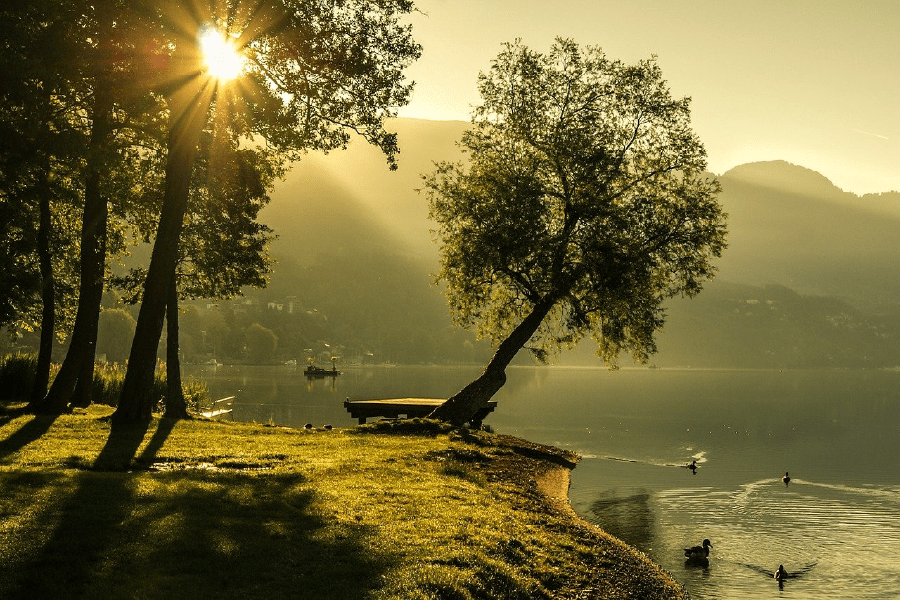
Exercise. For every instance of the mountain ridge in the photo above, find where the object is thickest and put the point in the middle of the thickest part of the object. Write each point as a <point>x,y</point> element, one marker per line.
<point>788,226</point>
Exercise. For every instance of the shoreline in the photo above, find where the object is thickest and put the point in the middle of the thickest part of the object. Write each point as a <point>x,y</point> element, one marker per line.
<point>545,471</point>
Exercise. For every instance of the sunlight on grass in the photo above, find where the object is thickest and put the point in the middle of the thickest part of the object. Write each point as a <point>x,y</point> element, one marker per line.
<point>238,510</point>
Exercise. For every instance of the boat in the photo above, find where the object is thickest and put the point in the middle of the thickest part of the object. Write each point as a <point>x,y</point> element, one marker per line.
<point>314,371</point>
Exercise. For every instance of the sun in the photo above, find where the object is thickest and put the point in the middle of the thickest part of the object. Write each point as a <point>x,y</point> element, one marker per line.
<point>220,56</point>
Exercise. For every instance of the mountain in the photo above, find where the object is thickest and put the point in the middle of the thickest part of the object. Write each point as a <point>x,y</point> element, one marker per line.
<point>355,244</point>
<point>791,226</point>
<point>348,201</point>
<point>734,325</point>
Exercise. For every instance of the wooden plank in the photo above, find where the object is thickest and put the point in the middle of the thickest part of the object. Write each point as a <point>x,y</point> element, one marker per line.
<point>215,413</point>
<point>395,407</point>
<point>218,407</point>
<point>393,402</point>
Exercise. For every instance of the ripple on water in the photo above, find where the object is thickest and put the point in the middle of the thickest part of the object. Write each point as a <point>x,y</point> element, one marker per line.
<point>844,537</point>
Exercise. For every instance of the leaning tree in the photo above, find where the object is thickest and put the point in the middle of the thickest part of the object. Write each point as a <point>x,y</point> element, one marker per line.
<point>584,204</point>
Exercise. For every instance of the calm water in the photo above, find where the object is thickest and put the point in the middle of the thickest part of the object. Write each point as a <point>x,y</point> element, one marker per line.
<point>837,523</point>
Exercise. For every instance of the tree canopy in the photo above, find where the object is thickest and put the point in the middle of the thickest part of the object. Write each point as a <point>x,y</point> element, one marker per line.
<point>315,71</point>
<point>583,205</point>
<point>104,110</point>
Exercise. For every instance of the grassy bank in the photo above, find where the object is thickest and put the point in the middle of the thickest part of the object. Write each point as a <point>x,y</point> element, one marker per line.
<point>207,509</point>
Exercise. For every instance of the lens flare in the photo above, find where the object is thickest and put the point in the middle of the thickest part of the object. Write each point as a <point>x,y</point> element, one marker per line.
<point>220,56</point>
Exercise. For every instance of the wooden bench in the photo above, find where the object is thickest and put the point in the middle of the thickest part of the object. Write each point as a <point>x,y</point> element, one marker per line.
<point>408,407</point>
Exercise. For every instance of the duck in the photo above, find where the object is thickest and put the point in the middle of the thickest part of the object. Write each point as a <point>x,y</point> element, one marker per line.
<point>786,479</point>
<point>698,552</point>
<point>780,574</point>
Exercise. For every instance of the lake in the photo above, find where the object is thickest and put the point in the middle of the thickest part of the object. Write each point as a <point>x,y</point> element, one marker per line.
<point>835,525</point>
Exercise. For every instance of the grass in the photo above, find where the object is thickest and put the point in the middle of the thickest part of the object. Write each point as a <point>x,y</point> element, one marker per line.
<point>200,508</point>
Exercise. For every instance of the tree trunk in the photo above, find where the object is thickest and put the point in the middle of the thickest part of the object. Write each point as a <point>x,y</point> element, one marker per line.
<point>188,107</point>
<point>83,394</point>
<point>48,295</point>
<point>176,407</point>
<point>84,390</point>
<point>465,404</point>
<point>82,346</point>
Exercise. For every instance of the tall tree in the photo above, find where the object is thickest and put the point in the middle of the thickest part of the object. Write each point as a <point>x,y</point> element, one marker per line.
<point>316,70</point>
<point>86,56</point>
<point>223,246</point>
<point>40,159</point>
<point>583,206</point>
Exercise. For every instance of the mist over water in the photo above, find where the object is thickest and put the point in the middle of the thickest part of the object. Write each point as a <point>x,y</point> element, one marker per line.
<point>835,527</point>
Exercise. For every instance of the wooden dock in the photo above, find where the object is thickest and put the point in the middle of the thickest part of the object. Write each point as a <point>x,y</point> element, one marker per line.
<point>394,408</point>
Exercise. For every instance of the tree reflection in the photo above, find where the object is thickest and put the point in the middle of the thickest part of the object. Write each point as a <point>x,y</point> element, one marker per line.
<point>629,518</point>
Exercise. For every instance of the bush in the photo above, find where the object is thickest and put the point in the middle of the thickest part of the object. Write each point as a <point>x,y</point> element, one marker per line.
<point>17,377</point>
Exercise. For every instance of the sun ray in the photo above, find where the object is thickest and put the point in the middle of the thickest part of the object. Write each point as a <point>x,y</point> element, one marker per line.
<point>220,55</point>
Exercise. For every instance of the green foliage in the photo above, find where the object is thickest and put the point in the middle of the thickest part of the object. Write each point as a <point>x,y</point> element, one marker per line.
<point>327,70</point>
<point>417,426</point>
<point>63,151</point>
<point>108,380</point>
<point>223,248</point>
<point>108,385</point>
<point>40,165</point>
<point>261,343</point>
<point>115,329</point>
<point>585,190</point>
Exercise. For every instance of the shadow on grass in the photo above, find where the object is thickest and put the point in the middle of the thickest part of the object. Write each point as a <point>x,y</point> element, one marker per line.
<point>163,428</point>
<point>188,533</point>
<point>37,426</point>
<point>121,446</point>
<point>10,411</point>
<point>87,525</point>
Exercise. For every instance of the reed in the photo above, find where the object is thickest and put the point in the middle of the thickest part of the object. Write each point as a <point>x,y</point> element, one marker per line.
<point>17,376</point>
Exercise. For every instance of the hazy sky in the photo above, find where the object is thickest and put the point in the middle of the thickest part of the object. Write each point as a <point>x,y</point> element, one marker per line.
<point>813,82</point>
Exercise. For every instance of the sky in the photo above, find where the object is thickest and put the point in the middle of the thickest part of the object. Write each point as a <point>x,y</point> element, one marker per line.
<point>812,82</point>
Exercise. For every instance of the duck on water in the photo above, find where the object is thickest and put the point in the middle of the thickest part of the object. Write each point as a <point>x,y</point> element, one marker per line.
<point>782,575</point>
<point>698,554</point>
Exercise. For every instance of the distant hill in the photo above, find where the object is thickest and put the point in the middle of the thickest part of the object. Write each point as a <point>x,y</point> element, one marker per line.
<point>348,201</point>
<point>794,239</point>
<point>791,226</point>
<point>734,325</point>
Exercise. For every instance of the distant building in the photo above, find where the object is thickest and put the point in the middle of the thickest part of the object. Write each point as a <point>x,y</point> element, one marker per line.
<point>289,305</point>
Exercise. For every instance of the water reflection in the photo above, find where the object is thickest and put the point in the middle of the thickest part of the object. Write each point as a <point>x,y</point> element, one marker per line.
<point>626,517</point>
